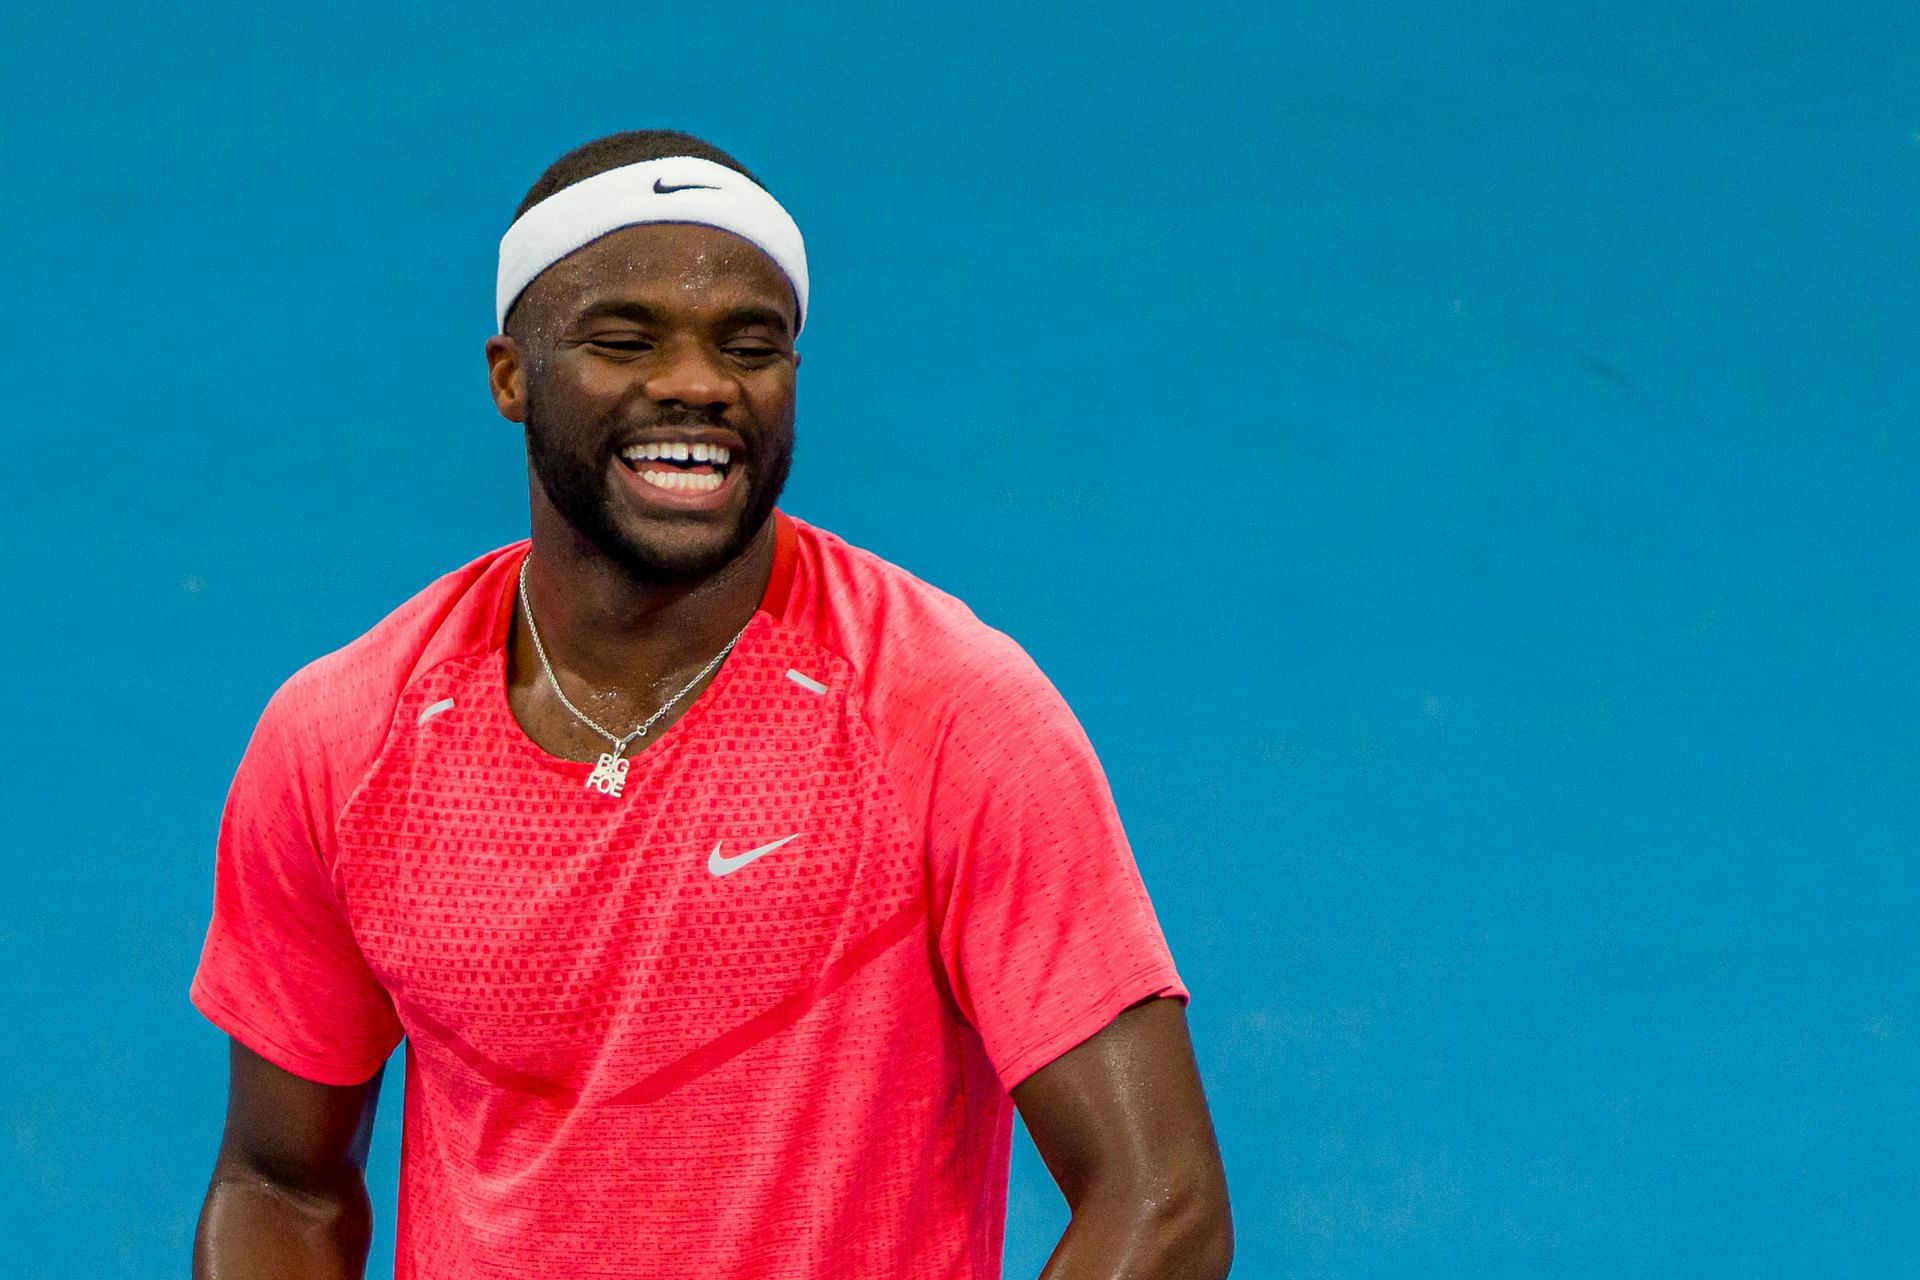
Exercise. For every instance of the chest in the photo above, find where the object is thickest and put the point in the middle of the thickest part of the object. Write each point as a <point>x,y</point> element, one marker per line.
<point>531,926</point>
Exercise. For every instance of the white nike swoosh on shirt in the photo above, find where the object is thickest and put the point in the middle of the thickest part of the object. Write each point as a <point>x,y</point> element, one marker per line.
<point>720,866</point>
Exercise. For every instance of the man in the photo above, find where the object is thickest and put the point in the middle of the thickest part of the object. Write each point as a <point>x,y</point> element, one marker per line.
<point>729,886</point>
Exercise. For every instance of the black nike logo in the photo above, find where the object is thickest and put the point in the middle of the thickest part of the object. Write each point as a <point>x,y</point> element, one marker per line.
<point>661,189</point>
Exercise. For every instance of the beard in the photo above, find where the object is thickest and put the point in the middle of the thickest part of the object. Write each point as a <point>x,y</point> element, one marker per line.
<point>570,460</point>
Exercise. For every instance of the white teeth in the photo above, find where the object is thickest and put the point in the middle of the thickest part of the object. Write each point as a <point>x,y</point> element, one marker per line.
<point>686,480</point>
<point>666,452</point>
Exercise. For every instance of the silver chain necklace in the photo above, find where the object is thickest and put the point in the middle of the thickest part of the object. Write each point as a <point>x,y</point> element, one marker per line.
<point>609,776</point>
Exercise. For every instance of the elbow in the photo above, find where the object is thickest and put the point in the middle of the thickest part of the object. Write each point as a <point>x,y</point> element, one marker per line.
<point>308,1224</point>
<point>1186,1233</point>
<point>1199,1239</point>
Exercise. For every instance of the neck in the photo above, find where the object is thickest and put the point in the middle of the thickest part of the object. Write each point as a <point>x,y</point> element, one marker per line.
<point>617,634</point>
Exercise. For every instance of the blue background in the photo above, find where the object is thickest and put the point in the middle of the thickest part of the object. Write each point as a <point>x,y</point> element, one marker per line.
<point>1459,462</point>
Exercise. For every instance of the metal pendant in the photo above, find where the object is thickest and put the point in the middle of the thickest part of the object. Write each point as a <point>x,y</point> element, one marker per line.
<point>610,775</point>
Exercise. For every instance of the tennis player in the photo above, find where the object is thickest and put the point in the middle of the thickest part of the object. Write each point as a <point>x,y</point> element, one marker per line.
<point>729,886</point>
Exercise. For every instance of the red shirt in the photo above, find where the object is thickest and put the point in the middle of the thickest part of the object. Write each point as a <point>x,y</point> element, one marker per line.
<point>757,1017</point>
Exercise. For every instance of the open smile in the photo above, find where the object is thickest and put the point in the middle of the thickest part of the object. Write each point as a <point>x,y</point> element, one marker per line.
<point>695,475</point>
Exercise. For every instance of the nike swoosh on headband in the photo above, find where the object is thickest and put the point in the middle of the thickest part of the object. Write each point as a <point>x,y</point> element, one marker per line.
<point>660,190</point>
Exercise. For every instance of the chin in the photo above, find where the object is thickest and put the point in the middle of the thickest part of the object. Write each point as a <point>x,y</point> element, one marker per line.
<point>654,547</point>
<point>684,559</point>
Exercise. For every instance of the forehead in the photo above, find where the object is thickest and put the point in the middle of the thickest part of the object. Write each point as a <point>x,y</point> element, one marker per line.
<point>667,266</point>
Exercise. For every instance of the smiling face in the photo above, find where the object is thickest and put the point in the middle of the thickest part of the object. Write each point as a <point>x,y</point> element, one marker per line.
<point>654,370</point>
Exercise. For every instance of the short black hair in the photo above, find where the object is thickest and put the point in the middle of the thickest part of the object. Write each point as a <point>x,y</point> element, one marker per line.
<point>618,149</point>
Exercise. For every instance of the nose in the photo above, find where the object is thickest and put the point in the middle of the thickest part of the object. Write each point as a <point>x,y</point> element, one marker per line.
<point>686,373</point>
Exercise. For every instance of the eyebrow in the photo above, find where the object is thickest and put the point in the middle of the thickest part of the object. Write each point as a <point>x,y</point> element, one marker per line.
<point>639,312</point>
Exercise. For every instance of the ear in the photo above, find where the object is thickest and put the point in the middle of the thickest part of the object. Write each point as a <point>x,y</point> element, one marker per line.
<point>507,377</point>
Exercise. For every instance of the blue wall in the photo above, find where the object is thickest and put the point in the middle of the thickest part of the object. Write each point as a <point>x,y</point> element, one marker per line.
<point>1458,460</point>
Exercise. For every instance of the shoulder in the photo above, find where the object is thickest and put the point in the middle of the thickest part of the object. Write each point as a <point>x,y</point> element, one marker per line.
<point>332,715</point>
<point>983,754</point>
<point>927,671</point>
<point>902,635</point>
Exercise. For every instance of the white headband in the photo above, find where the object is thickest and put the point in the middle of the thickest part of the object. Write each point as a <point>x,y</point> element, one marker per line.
<point>677,189</point>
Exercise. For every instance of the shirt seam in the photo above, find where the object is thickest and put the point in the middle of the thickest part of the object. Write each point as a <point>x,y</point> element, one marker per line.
<point>338,817</point>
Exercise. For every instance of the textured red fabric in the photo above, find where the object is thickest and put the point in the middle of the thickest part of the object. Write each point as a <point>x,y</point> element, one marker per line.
<point>622,1064</point>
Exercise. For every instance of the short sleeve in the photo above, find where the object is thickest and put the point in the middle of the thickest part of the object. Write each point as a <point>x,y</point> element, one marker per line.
<point>280,970</point>
<point>1045,930</point>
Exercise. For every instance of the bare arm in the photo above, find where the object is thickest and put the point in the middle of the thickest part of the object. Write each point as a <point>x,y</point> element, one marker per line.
<point>289,1193</point>
<point>1123,1127</point>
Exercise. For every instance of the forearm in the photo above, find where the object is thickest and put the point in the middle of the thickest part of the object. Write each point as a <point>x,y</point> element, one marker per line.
<point>255,1228</point>
<point>1139,1236</point>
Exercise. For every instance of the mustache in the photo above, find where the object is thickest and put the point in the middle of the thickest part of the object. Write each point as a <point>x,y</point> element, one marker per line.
<point>625,427</point>
<point>679,418</point>
<point>617,423</point>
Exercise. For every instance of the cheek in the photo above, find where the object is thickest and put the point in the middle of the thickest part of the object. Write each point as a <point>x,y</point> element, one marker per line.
<point>601,382</point>
<point>580,402</point>
<point>771,399</point>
